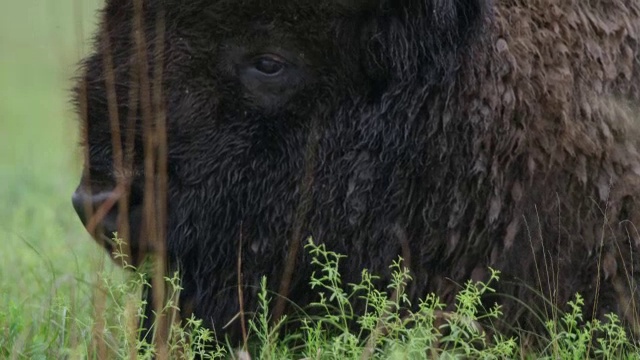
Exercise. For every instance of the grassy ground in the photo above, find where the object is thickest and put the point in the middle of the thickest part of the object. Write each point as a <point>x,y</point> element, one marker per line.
<point>46,259</point>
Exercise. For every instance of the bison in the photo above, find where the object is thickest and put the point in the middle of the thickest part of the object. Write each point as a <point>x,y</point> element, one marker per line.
<point>457,134</point>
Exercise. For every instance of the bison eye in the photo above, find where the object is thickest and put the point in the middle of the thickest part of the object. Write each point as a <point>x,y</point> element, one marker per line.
<point>268,79</point>
<point>269,65</point>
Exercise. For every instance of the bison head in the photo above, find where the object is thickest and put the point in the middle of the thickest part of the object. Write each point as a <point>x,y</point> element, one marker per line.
<point>224,132</point>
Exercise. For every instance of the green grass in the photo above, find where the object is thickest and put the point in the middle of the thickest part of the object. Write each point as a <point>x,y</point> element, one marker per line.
<point>47,261</point>
<point>50,268</point>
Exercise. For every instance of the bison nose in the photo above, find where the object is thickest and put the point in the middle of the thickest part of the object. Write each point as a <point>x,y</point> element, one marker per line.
<point>91,208</point>
<point>100,212</point>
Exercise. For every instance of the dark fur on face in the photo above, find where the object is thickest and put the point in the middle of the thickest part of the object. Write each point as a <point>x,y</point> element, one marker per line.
<point>463,134</point>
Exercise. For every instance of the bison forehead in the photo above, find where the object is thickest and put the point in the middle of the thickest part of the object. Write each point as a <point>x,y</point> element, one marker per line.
<point>254,20</point>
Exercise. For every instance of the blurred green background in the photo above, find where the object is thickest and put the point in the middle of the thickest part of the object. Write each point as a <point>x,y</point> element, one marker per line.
<point>46,258</point>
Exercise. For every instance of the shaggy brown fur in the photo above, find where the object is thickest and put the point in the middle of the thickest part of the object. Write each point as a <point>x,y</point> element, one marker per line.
<point>556,113</point>
<point>463,134</point>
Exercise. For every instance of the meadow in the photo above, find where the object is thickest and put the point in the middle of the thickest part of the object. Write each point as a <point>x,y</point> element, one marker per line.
<point>47,262</point>
<point>51,272</point>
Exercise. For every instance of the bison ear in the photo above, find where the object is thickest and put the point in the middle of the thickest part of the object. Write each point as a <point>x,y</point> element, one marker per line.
<point>432,33</point>
<point>468,14</point>
<point>462,15</point>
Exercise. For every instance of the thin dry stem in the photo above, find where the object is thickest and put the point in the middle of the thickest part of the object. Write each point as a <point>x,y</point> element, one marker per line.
<point>300,217</point>
<point>243,325</point>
